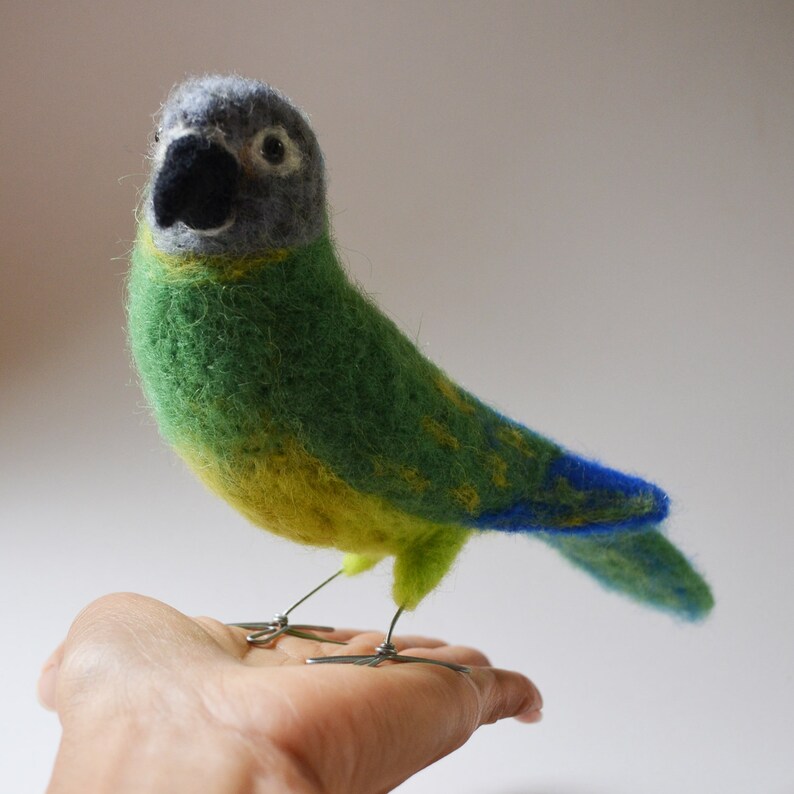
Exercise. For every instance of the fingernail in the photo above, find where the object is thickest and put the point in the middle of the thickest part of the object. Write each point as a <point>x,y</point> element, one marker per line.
<point>46,686</point>
<point>534,713</point>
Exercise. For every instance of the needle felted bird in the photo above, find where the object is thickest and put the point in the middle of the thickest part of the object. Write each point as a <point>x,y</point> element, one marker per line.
<point>294,398</point>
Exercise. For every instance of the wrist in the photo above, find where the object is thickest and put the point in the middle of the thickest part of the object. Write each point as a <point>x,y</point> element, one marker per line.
<point>159,756</point>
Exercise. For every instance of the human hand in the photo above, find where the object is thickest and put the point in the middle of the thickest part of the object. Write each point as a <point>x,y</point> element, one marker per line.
<point>153,701</point>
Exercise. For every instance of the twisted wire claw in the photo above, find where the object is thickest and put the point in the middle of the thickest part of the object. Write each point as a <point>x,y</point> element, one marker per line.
<point>268,632</point>
<point>385,652</point>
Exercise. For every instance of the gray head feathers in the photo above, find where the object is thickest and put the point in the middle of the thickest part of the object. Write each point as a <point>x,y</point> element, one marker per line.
<point>236,170</point>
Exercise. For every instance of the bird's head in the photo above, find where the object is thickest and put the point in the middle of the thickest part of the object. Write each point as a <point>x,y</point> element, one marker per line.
<point>236,170</point>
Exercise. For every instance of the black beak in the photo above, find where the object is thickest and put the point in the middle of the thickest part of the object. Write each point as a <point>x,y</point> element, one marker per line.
<point>197,184</point>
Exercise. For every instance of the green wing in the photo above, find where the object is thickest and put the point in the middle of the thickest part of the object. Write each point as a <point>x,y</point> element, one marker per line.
<point>361,397</point>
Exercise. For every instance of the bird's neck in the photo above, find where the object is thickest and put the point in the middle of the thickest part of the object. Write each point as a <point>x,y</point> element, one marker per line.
<point>192,266</point>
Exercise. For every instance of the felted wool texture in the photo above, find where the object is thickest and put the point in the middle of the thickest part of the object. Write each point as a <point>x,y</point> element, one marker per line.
<point>197,184</point>
<point>643,565</point>
<point>585,496</point>
<point>339,377</point>
<point>227,434</point>
<point>332,429</point>
<point>231,111</point>
<point>293,397</point>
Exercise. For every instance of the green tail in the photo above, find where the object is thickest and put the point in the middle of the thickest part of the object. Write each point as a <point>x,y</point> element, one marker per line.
<point>643,565</point>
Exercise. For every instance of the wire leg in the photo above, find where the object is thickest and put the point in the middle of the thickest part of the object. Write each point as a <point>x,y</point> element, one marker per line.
<point>386,652</point>
<point>269,631</point>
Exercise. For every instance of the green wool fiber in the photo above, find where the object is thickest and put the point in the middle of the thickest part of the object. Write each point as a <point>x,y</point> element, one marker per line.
<point>293,397</point>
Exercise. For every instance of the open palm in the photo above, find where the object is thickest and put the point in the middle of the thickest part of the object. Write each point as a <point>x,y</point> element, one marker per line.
<point>135,676</point>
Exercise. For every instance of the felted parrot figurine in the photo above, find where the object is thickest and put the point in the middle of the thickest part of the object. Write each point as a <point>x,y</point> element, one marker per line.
<point>294,398</point>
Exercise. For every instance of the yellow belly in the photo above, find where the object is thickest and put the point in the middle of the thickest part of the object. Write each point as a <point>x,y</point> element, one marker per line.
<point>293,494</point>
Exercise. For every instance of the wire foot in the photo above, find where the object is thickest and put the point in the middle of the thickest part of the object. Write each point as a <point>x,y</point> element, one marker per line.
<point>265,633</point>
<point>386,652</point>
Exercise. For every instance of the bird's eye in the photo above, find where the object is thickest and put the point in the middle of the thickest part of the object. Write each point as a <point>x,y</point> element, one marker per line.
<point>273,149</point>
<point>274,152</point>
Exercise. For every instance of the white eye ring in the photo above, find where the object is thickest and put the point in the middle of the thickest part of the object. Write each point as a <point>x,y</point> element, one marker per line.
<point>291,157</point>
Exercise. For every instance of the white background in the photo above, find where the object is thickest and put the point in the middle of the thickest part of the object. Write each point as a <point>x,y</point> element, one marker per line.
<point>583,211</point>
